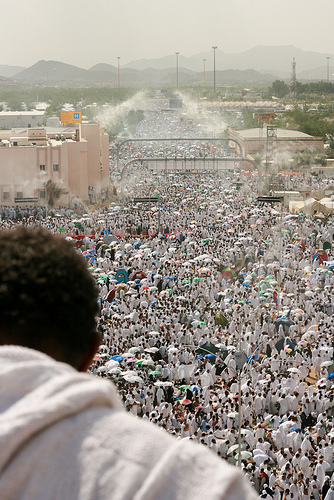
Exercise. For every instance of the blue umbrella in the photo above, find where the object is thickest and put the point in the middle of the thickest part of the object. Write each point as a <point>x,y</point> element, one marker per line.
<point>246,285</point>
<point>195,388</point>
<point>330,375</point>
<point>117,358</point>
<point>294,428</point>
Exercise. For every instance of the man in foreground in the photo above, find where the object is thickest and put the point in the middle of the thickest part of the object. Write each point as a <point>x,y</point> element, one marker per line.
<point>64,434</point>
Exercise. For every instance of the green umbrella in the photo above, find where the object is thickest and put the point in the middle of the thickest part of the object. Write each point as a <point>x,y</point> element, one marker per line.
<point>61,229</point>
<point>154,372</point>
<point>103,277</point>
<point>184,386</point>
<point>196,280</point>
<point>245,455</point>
<point>145,362</point>
<point>186,282</point>
<point>221,320</point>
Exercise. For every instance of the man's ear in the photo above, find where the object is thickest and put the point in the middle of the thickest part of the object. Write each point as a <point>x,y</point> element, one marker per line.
<point>87,358</point>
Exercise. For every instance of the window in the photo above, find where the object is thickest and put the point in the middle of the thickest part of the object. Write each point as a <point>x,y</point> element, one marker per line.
<point>19,194</point>
<point>56,167</point>
<point>5,196</point>
<point>42,194</point>
<point>14,143</point>
<point>42,168</point>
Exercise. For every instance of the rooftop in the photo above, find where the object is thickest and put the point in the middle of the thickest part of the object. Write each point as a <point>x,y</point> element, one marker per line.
<point>22,113</point>
<point>261,133</point>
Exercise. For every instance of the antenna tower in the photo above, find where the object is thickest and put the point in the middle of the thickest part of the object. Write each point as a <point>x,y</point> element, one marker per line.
<point>293,79</point>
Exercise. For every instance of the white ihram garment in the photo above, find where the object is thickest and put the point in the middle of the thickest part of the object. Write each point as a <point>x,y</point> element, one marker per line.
<point>64,435</point>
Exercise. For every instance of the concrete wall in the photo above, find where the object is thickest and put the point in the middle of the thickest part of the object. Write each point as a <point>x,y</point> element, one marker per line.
<point>10,120</point>
<point>73,165</point>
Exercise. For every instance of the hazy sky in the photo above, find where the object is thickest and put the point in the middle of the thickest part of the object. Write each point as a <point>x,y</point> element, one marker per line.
<point>87,32</point>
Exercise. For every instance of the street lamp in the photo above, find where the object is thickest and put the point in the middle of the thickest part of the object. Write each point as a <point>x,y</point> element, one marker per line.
<point>177,70</point>
<point>214,69</point>
<point>118,72</point>
<point>204,71</point>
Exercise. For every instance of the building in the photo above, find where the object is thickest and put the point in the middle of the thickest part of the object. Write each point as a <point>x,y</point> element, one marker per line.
<point>74,158</point>
<point>18,119</point>
<point>255,142</point>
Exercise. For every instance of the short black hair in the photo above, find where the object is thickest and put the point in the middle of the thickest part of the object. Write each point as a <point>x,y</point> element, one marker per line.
<point>46,293</point>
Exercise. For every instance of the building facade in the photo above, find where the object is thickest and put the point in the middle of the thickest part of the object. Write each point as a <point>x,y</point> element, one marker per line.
<point>255,141</point>
<point>16,119</point>
<point>75,159</point>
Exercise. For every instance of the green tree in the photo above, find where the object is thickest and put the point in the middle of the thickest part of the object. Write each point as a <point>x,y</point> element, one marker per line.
<point>308,159</point>
<point>279,89</point>
<point>53,192</point>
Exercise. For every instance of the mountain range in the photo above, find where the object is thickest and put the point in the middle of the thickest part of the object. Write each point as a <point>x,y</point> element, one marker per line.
<point>261,64</point>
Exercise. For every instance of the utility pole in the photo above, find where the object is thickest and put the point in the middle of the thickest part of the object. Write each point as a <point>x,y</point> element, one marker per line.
<point>177,70</point>
<point>118,72</point>
<point>214,68</point>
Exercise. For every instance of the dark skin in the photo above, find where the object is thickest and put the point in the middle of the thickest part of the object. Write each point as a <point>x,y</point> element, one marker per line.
<point>54,350</point>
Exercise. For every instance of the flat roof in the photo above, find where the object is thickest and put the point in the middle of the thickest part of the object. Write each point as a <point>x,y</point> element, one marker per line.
<point>22,113</point>
<point>261,133</point>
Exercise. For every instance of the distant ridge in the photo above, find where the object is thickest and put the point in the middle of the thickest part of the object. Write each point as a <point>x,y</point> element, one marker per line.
<point>55,72</point>
<point>262,58</point>
<point>259,64</point>
<point>10,71</point>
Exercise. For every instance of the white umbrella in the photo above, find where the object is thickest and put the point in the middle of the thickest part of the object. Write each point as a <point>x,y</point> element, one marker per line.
<point>133,378</point>
<point>114,371</point>
<point>102,369</point>
<point>294,370</point>
<point>134,350</point>
<point>325,364</point>
<point>112,363</point>
<point>233,414</point>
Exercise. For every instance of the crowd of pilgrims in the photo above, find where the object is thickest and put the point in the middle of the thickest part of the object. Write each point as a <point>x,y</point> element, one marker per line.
<point>216,320</point>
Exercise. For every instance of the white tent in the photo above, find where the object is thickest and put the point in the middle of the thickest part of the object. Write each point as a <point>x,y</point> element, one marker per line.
<point>309,206</point>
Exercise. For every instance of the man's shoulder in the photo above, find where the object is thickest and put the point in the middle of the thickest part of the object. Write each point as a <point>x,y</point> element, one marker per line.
<point>180,469</point>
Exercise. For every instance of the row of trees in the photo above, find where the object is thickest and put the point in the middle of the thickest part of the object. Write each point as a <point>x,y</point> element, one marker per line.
<point>57,97</point>
<point>281,89</point>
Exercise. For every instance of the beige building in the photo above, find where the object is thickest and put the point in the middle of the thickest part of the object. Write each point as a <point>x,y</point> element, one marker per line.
<point>29,119</point>
<point>254,141</point>
<point>76,159</point>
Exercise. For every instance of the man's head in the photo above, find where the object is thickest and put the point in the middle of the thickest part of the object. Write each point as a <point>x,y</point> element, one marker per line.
<point>48,298</point>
